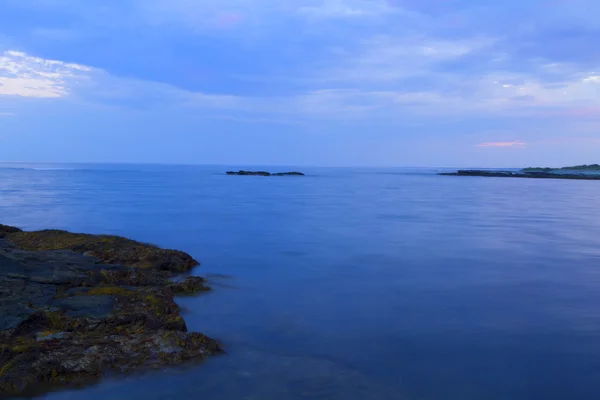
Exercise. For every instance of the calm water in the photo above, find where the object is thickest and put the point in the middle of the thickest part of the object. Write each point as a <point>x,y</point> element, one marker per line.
<point>353,283</point>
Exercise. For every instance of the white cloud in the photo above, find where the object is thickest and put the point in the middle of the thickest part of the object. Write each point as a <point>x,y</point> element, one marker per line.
<point>27,76</point>
<point>6,114</point>
<point>583,90</point>
<point>449,95</point>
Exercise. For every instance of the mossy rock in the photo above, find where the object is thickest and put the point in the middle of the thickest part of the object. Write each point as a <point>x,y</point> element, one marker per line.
<point>5,230</point>
<point>109,249</point>
<point>190,286</point>
<point>67,318</point>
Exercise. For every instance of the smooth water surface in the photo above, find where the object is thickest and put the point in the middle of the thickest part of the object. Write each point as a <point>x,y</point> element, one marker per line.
<point>353,283</point>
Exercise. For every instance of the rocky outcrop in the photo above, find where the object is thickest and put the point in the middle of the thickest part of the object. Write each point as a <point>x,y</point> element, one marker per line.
<point>522,174</point>
<point>263,173</point>
<point>75,306</point>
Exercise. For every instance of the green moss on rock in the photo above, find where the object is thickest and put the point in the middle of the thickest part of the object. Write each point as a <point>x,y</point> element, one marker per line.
<point>109,249</point>
<point>79,305</point>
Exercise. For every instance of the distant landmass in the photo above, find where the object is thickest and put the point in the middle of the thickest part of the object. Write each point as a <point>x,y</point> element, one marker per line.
<point>579,172</point>
<point>591,167</point>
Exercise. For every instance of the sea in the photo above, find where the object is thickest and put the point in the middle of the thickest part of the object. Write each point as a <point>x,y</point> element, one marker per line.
<point>351,283</point>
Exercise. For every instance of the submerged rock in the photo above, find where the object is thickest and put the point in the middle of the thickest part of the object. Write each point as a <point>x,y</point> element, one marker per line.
<point>263,173</point>
<point>191,285</point>
<point>66,317</point>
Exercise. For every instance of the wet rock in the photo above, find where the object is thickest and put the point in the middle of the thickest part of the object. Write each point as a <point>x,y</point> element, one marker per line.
<point>43,336</point>
<point>97,307</point>
<point>68,316</point>
<point>108,249</point>
<point>5,229</point>
<point>191,285</point>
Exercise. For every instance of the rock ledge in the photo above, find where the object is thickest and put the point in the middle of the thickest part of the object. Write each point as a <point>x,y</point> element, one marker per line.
<point>75,306</point>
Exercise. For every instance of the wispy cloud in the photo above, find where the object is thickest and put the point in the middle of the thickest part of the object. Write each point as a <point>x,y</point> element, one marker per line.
<point>228,20</point>
<point>6,114</point>
<point>563,140</point>
<point>27,76</point>
<point>502,144</point>
<point>391,58</point>
<point>347,8</point>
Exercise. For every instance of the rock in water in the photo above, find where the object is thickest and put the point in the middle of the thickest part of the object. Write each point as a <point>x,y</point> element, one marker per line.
<point>67,317</point>
<point>288,174</point>
<point>250,173</point>
<point>263,173</point>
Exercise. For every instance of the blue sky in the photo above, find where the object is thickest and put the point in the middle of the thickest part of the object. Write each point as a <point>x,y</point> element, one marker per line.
<point>302,82</point>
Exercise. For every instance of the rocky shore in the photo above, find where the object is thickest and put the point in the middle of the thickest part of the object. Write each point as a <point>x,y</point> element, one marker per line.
<point>523,174</point>
<point>263,173</point>
<point>74,307</point>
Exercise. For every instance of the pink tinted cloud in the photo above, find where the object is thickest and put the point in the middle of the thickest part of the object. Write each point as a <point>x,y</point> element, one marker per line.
<point>502,144</point>
<point>228,20</point>
<point>456,21</point>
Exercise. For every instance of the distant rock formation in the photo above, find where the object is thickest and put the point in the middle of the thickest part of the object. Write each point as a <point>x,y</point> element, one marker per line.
<point>591,167</point>
<point>263,173</point>
<point>523,174</point>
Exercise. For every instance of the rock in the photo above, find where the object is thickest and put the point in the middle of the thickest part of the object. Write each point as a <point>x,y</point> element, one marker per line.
<point>252,173</point>
<point>263,173</point>
<point>288,174</point>
<point>108,249</point>
<point>44,336</point>
<point>190,285</point>
<point>5,229</point>
<point>66,317</point>
<point>95,307</point>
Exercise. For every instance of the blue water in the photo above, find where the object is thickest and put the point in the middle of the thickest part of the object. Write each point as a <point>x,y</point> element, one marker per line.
<point>353,283</point>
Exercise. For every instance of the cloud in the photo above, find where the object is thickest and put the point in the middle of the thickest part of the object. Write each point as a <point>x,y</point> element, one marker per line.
<point>502,144</point>
<point>366,85</point>
<point>562,140</point>
<point>6,114</point>
<point>227,20</point>
<point>389,58</point>
<point>347,8</point>
<point>26,76</point>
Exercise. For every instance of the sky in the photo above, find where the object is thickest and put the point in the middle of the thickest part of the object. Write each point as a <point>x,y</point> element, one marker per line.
<point>458,83</point>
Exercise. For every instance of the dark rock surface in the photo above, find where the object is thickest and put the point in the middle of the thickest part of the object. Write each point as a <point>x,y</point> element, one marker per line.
<point>263,173</point>
<point>524,174</point>
<point>67,318</point>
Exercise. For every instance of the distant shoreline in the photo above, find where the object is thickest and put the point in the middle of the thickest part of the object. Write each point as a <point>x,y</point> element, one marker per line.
<point>591,167</point>
<point>526,173</point>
